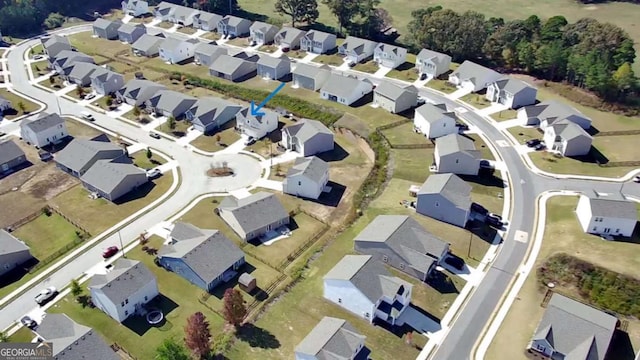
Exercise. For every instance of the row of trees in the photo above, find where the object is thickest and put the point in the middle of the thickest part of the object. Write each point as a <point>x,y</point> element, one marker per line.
<point>589,54</point>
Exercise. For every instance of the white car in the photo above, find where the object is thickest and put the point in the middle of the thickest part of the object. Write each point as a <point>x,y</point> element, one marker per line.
<point>38,57</point>
<point>87,116</point>
<point>637,179</point>
<point>90,96</point>
<point>46,295</point>
<point>153,173</point>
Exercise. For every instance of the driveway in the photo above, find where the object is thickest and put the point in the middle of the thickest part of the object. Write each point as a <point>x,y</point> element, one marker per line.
<point>419,321</point>
<point>493,108</point>
<point>459,93</point>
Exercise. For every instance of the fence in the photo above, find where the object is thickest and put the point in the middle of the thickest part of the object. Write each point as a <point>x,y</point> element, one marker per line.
<point>25,219</point>
<point>122,352</point>
<point>294,255</point>
<point>71,221</point>
<point>618,133</point>
<point>274,285</point>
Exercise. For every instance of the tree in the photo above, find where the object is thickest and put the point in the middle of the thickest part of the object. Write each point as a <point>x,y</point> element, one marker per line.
<point>171,122</point>
<point>624,79</point>
<point>197,335</point>
<point>21,106</point>
<point>136,111</point>
<point>52,80</point>
<point>171,350</point>
<point>109,101</point>
<point>218,138</point>
<point>344,10</point>
<point>54,20</point>
<point>298,10</point>
<point>3,337</point>
<point>76,289</point>
<point>219,6</point>
<point>234,309</point>
<point>80,91</point>
<point>149,154</point>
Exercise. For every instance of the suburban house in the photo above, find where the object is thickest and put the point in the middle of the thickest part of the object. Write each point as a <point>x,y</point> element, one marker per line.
<point>435,121</point>
<point>135,8</point>
<point>79,73</point>
<point>567,138</point>
<point>170,103</point>
<point>289,37</point>
<point>457,154</point>
<point>4,105</point>
<point>105,82</point>
<point>70,340</point>
<point>206,21</point>
<point>148,45</point>
<point>124,290</point>
<point>317,42</point>
<point>432,63</point>
<point>331,338</point>
<point>244,55</point>
<point>356,49</point>
<point>111,179</point>
<point>131,32</point>
<point>445,197</point>
<point>136,91</point>
<point>44,129</point>
<point>309,76</point>
<point>472,76</point>
<point>81,154</point>
<point>607,214</point>
<point>273,68</point>
<point>307,178</point>
<point>206,258</point>
<point>307,137</point>
<point>572,330</point>
<point>205,54</point>
<point>54,45</point>
<point>253,216</point>
<point>364,286</point>
<point>257,126</point>
<point>389,56</point>
<point>262,33</point>
<point>183,15</point>
<point>11,156</point>
<point>106,29</point>
<point>176,51</point>
<point>209,113</point>
<point>402,243</point>
<point>549,112</point>
<point>65,60</point>
<point>395,98</point>
<point>345,90</point>
<point>13,252</point>
<point>233,68</point>
<point>163,11</point>
<point>511,92</point>
<point>233,26</point>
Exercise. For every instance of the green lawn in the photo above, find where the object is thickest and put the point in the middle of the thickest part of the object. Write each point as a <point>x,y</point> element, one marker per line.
<point>74,93</point>
<point>15,103</point>
<point>100,214</point>
<point>46,234</point>
<point>404,135</point>
<point>39,68</point>
<point>503,115</point>
<point>333,59</point>
<point>583,166</point>
<point>239,41</point>
<point>23,335</point>
<point>297,54</point>
<point>120,67</point>
<point>618,148</point>
<point>412,164</point>
<point>211,36</point>
<point>89,45</point>
<point>476,100</point>
<point>368,67</point>
<point>38,49</point>
<point>522,134</point>
<point>140,160</point>
<point>406,72</point>
<point>179,130</point>
<point>80,130</point>
<point>53,86</point>
<point>210,143</point>
<point>441,85</point>
<point>203,217</point>
<point>268,48</point>
<point>187,30</point>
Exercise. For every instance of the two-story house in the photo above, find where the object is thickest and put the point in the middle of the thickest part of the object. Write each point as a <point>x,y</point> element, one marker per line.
<point>11,156</point>
<point>318,42</point>
<point>456,154</point>
<point>262,33</point>
<point>389,56</point>
<point>256,126</point>
<point>607,214</point>
<point>432,63</point>
<point>345,90</point>
<point>395,98</point>
<point>434,121</point>
<point>176,51</point>
<point>233,26</point>
<point>130,33</point>
<point>473,77</point>
<point>357,49</point>
<point>106,29</point>
<point>307,178</point>
<point>307,137</point>
<point>445,197</point>
<point>135,8</point>
<point>206,21</point>
<point>106,82</point>
<point>511,92</point>
<point>288,38</point>
<point>310,77</point>
<point>567,138</point>
<point>43,129</point>
<point>273,68</point>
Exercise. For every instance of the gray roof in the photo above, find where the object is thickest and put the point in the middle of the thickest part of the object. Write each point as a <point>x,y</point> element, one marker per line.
<point>311,167</point>
<point>569,130</point>
<point>42,122</point>
<point>106,175</point>
<point>432,113</point>
<point>407,238</point>
<point>359,45</point>
<point>170,100</point>
<point>9,150</point>
<point>316,35</point>
<point>66,58</point>
<point>209,109</point>
<point>233,20</point>
<point>55,44</point>
<point>210,49</point>
<point>456,143</point>
<point>263,27</point>
<point>104,75</point>
<point>576,330</point>
<point>165,7</point>
<point>209,17</point>
<point>9,244</point>
<point>129,28</point>
<point>226,64</point>
<point>393,91</point>
<point>614,205</point>
<point>272,61</point>
<point>387,48</point>
<point>124,280</point>
<point>79,152</point>
<point>207,252</point>
<point>450,186</point>
<point>134,87</point>
<point>147,41</point>
<point>172,43</point>
<point>72,341</point>
<point>331,338</point>
<point>512,85</point>
<point>180,11</point>
<point>435,56</point>
<point>80,70</point>
<point>306,129</point>
<point>368,276</point>
<point>310,71</point>
<point>104,24</point>
<point>255,211</point>
<point>341,86</point>
<point>289,34</point>
<point>472,71</point>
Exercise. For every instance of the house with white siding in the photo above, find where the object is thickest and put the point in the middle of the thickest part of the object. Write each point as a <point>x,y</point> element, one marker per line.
<point>176,51</point>
<point>472,76</point>
<point>356,49</point>
<point>183,15</point>
<point>549,112</point>
<point>456,154</point>
<point>318,42</point>
<point>43,129</point>
<point>511,92</point>
<point>307,137</point>
<point>395,98</point>
<point>310,77</point>
<point>307,178</point>
<point>345,90</point>
<point>135,8</point>
<point>389,56</point>
<point>273,68</point>
<point>262,33</point>
<point>256,126</point>
<point>289,38</point>
<point>432,63</point>
<point>434,121</point>
<point>567,138</point>
<point>253,216</point>
<point>607,214</point>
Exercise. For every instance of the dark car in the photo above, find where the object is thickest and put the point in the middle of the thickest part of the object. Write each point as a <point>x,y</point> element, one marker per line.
<point>455,261</point>
<point>494,222</point>
<point>533,142</point>
<point>28,322</point>
<point>486,164</point>
<point>539,147</point>
<point>286,49</point>
<point>154,135</point>
<point>109,252</point>
<point>462,126</point>
<point>423,77</point>
<point>479,209</point>
<point>352,64</point>
<point>637,179</point>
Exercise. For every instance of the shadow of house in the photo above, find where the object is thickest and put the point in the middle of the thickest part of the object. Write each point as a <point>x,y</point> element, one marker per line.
<point>442,283</point>
<point>15,169</point>
<point>138,193</point>
<point>139,324</point>
<point>482,230</point>
<point>485,178</point>
<point>620,347</point>
<point>257,337</point>
<point>363,101</point>
<point>218,291</point>
<point>17,273</point>
<point>337,154</point>
<point>593,131</point>
<point>333,197</point>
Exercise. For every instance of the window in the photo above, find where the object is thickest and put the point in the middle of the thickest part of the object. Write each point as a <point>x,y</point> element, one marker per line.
<point>339,300</point>
<point>126,301</point>
<point>145,298</point>
<point>126,313</point>
<point>595,228</point>
<point>617,230</point>
<point>367,315</point>
<point>299,183</point>
<point>457,161</point>
<point>122,304</point>
<point>437,204</point>
<point>385,258</point>
<point>402,266</point>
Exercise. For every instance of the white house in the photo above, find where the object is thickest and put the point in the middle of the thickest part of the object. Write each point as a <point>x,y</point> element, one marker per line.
<point>164,10</point>
<point>511,92</point>
<point>124,290</point>
<point>307,137</point>
<point>257,126</point>
<point>262,33</point>
<point>183,15</point>
<point>344,89</point>
<point>473,76</point>
<point>549,112</point>
<point>356,49</point>
<point>434,121</point>
<point>432,63</point>
<point>307,178</point>
<point>135,8</point>
<point>289,37</point>
<point>363,286</point>
<point>317,42</point>
<point>175,51</point>
<point>456,154</point>
<point>607,214</point>
<point>395,98</point>
<point>43,130</point>
<point>389,56</point>
<point>567,138</point>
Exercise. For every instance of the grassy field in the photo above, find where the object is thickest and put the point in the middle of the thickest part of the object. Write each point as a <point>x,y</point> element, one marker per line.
<point>86,43</point>
<point>618,148</point>
<point>210,143</point>
<point>187,30</point>
<point>39,68</point>
<point>333,59</point>
<point>15,103</point>
<point>165,25</point>
<point>441,85</point>
<point>566,165</point>
<point>503,115</point>
<point>140,160</point>
<point>22,335</point>
<point>522,134</point>
<point>80,130</point>
<point>476,100</point>
<point>179,130</point>
<point>368,67</point>
<point>404,135</point>
<point>203,217</point>
<point>562,235</point>
<point>46,234</point>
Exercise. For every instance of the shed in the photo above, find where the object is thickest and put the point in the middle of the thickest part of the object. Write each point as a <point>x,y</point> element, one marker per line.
<point>247,282</point>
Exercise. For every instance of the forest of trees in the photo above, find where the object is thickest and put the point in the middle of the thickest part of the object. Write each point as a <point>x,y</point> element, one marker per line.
<point>588,54</point>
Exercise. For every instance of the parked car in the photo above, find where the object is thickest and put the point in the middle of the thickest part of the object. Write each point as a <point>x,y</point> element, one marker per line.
<point>479,209</point>
<point>421,100</point>
<point>154,135</point>
<point>352,64</point>
<point>495,216</point>
<point>463,127</point>
<point>153,173</point>
<point>637,179</point>
<point>486,164</point>
<point>38,57</point>
<point>455,261</point>
<point>423,77</point>
<point>250,141</point>
<point>46,295</point>
<point>28,322</point>
<point>533,142</point>
<point>253,43</point>
<point>109,252</point>
<point>87,115</point>
<point>494,222</point>
<point>285,49</point>
<point>539,147</point>
<point>89,96</point>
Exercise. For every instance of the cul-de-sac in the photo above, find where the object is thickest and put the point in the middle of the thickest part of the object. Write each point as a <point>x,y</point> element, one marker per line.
<point>319,179</point>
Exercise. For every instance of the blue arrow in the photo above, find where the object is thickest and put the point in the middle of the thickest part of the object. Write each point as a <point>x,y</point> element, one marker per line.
<point>255,110</point>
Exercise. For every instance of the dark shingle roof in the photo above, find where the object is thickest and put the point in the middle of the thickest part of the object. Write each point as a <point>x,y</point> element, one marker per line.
<point>209,109</point>
<point>106,175</point>
<point>331,338</point>
<point>79,152</point>
<point>126,278</point>
<point>450,186</point>
<point>255,211</point>
<point>9,150</point>
<point>312,167</point>
<point>72,341</point>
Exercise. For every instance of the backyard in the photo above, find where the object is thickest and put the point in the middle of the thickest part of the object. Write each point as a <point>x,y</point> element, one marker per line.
<point>20,105</point>
<point>46,234</point>
<point>86,43</point>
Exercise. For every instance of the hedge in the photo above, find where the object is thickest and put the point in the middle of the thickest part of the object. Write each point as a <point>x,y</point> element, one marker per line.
<point>298,107</point>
